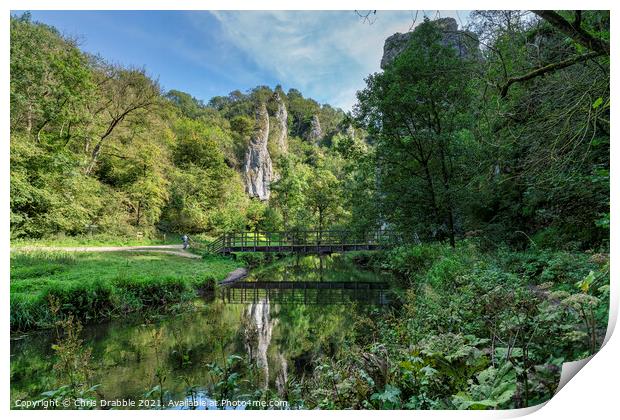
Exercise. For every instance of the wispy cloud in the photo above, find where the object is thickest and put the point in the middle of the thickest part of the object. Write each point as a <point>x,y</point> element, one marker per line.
<point>324,54</point>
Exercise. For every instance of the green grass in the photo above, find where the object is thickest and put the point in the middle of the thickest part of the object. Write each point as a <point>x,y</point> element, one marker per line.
<point>96,286</point>
<point>95,240</point>
<point>107,240</point>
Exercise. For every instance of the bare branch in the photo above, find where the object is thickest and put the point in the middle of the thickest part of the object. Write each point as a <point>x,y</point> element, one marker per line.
<point>369,16</point>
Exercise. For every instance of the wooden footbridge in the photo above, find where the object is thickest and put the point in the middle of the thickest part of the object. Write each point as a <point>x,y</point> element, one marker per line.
<point>307,241</point>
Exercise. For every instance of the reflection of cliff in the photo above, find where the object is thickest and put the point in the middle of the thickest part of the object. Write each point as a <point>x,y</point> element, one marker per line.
<point>258,330</point>
<point>282,377</point>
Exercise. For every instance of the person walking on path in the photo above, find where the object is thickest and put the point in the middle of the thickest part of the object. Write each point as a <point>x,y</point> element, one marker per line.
<point>185,240</point>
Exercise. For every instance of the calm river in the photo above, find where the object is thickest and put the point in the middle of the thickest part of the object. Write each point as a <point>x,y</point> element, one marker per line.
<point>245,340</point>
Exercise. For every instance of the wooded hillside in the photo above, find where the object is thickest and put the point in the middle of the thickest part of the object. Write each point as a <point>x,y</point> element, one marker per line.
<point>510,143</point>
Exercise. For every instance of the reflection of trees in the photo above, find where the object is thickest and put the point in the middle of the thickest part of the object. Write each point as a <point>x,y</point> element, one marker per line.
<point>205,336</point>
<point>302,332</point>
<point>309,331</point>
<point>314,268</point>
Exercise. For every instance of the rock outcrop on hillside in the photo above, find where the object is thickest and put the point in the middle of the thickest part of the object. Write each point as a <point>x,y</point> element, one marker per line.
<point>315,133</point>
<point>257,168</point>
<point>350,132</point>
<point>282,121</point>
<point>464,42</point>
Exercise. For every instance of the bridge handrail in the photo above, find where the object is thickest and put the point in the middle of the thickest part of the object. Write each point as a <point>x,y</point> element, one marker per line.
<point>326,237</point>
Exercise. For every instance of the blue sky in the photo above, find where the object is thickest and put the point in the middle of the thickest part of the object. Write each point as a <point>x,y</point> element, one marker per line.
<point>324,54</point>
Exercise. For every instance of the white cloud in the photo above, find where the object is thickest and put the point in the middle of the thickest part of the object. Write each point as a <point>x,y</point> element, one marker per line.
<point>326,55</point>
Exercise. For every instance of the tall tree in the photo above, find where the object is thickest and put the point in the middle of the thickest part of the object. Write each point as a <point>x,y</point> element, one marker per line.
<point>124,93</point>
<point>323,197</point>
<point>416,109</point>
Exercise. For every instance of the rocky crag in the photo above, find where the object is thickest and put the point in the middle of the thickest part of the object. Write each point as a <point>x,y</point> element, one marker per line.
<point>315,133</point>
<point>257,167</point>
<point>464,42</point>
<point>282,122</point>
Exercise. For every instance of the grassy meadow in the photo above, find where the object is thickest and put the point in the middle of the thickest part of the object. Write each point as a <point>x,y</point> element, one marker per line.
<point>96,286</point>
<point>103,240</point>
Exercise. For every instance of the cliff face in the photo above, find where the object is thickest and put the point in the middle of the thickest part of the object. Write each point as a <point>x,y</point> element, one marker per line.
<point>315,133</point>
<point>282,121</point>
<point>257,168</point>
<point>464,42</point>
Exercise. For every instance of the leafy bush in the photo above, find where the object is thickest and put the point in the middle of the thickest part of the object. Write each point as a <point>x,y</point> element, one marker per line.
<point>409,260</point>
<point>474,331</point>
<point>493,388</point>
<point>153,292</point>
<point>88,301</point>
<point>541,266</point>
<point>444,272</point>
<point>254,259</point>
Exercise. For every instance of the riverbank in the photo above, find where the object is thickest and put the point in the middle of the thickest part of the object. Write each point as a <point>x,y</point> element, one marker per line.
<point>97,286</point>
<point>471,329</point>
<point>246,343</point>
<point>465,328</point>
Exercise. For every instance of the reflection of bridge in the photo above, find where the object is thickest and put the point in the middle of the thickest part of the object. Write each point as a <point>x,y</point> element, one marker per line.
<point>307,241</point>
<point>307,292</point>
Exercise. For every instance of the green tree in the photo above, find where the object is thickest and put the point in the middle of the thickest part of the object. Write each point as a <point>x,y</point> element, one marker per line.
<point>204,190</point>
<point>415,109</point>
<point>124,94</point>
<point>323,197</point>
<point>289,191</point>
<point>51,83</point>
<point>544,131</point>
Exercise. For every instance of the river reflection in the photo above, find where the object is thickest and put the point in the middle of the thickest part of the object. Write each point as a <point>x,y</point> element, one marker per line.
<point>307,293</point>
<point>270,341</point>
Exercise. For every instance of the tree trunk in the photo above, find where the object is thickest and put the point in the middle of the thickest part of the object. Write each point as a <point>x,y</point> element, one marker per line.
<point>93,158</point>
<point>138,214</point>
<point>29,119</point>
<point>431,190</point>
<point>446,184</point>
